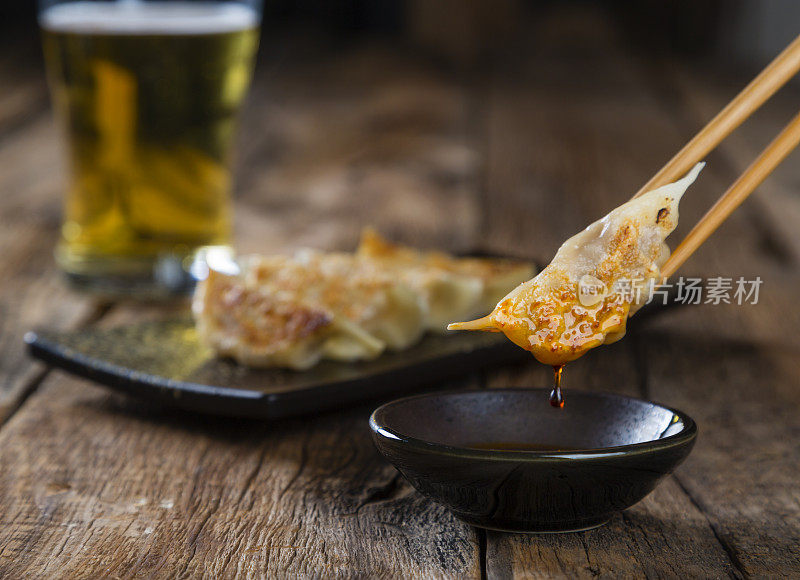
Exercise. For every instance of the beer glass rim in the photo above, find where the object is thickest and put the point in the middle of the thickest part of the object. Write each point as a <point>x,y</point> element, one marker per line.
<point>256,5</point>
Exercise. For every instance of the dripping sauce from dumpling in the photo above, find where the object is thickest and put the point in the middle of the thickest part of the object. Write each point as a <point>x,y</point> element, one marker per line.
<point>595,282</point>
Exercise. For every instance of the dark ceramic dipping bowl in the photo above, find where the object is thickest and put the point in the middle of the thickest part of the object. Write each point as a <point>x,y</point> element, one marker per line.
<point>598,455</point>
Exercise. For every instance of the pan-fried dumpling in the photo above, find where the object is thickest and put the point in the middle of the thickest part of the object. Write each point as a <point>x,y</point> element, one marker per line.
<point>449,287</point>
<point>295,311</point>
<point>261,329</point>
<point>597,279</point>
<point>356,289</point>
<point>292,312</point>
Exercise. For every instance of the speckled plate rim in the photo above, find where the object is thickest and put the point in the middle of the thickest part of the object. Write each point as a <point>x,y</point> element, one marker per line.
<point>232,401</point>
<point>686,436</point>
<point>99,370</point>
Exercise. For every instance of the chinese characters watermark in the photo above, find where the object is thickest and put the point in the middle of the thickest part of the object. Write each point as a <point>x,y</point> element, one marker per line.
<point>714,291</point>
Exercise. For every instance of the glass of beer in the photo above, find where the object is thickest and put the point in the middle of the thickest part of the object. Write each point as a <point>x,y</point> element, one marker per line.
<point>147,93</point>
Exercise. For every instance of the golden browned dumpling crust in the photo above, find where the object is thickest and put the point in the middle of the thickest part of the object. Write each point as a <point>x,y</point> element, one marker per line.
<point>597,279</point>
<point>450,287</point>
<point>293,311</point>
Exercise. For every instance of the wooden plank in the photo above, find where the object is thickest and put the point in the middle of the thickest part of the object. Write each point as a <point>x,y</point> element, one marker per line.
<point>382,140</point>
<point>770,251</point>
<point>143,492</point>
<point>463,34</point>
<point>569,139</point>
<point>774,206</point>
<point>743,473</point>
<point>32,292</point>
<point>33,177</point>
<point>658,538</point>
<point>44,300</point>
<point>24,92</point>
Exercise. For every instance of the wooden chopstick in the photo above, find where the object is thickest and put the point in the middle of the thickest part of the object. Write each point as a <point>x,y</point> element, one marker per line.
<point>748,181</point>
<point>761,88</point>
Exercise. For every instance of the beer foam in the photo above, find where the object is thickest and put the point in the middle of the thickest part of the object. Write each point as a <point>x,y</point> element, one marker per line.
<point>144,18</point>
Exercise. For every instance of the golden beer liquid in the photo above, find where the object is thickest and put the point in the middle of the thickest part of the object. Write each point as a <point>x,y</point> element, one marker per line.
<point>149,98</point>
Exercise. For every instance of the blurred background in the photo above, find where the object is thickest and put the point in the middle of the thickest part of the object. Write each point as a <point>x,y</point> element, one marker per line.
<point>477,31</point>
<point>401,106</point>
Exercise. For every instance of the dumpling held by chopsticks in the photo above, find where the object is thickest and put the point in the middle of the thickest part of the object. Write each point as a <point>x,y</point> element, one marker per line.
<point>597,279</point>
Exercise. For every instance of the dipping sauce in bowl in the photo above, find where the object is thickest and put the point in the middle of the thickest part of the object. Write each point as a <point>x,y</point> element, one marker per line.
<point>506,460</point>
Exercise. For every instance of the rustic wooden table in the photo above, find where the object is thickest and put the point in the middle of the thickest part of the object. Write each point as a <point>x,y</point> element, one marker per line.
<point>92,484</point>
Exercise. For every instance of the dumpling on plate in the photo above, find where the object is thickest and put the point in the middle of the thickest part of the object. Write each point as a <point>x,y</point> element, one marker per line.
<point>294,311</point>
<point>597,279</point>
<point>449,287</point>
<point>352,288</point>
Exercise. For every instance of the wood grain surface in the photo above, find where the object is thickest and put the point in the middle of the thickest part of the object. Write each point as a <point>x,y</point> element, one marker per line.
<point>96,485</point>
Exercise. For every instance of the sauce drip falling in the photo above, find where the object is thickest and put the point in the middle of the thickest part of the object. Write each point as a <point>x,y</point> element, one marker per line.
<point>556,398</point>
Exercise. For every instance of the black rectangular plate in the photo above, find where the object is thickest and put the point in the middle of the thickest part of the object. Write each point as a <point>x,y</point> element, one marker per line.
<point>164,361</point>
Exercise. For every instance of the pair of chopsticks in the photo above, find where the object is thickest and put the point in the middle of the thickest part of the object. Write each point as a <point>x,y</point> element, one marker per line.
<point>760,89</point>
